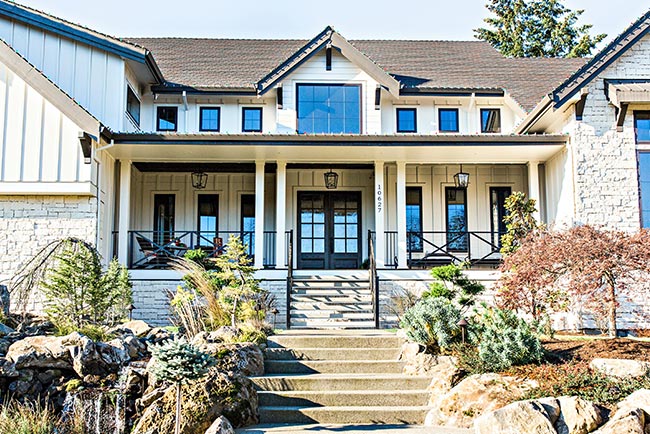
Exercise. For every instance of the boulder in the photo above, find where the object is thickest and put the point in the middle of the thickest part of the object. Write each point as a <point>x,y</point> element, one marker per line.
<point>5,330</point>
<point>443,369</point>
<point>528,417</point>
<point>137,328</point>
<point>577,416</point>
<point>220,426</point>
<point>639,399</point>
<point>474,396</point>
<point>244,358</point>
<point>45,352</point>
<point>98,358</point>
<point>158,335</point>
<point>223,334</point>
<point>620,368</point>
<point>4,346</point>
<point>624,422</point>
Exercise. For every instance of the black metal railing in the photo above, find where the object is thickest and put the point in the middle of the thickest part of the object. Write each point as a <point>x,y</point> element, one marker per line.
<point>373,277</point>
<point>155,249</point>
<point>289,237</point>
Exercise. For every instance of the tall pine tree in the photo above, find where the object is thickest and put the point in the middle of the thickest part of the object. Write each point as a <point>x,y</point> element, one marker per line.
<point>537,28</point>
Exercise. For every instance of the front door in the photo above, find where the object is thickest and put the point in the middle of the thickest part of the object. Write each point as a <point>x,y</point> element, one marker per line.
<point>329,230</point>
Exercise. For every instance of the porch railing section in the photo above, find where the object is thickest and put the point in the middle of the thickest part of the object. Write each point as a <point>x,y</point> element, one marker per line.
<point>289,236</point>
<point>373,277</point>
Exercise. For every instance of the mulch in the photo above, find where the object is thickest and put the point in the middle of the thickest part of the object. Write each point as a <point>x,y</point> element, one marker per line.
<point>589,349</point>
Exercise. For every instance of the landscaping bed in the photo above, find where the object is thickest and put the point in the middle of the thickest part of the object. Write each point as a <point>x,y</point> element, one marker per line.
<point>587,349</point>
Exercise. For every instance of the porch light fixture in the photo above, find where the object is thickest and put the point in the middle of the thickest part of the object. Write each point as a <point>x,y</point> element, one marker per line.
<point>199,180</point>
<point>331,180</point>
<point>461,179</point>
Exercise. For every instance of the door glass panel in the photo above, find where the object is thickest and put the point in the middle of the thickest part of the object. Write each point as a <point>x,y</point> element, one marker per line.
<point>414,218</point>
<point>339,231</point>
<point>339,246</point>
<point>248,222</point>
<point>312,227</point>
<point>456,219</point>
<point>305,245</point>
<point>208,206</point>
<point>319,231</point>
<point>319,216</point>
<point>352,231</point>
<point>163,218</point>
<point>352,246</point>
<point>319,245</point>
<point>498,196</point>
<point>306,231</point>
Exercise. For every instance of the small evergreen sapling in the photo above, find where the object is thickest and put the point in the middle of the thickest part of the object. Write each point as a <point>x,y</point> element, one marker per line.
<point>452,284</point>
<point>179,362</point>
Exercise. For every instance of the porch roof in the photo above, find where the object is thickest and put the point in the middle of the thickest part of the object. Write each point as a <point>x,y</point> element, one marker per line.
<point>438,148</point>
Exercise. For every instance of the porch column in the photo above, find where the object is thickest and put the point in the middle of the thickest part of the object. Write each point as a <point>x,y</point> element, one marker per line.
<point>259,214</point>
<point>280,214</point>
<point>125,212</point>
<point>533,186</point>
<point>401,214</point>
<point>380,236</point>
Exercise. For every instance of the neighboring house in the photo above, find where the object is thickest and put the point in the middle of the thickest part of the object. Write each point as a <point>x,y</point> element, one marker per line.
<point>150,146</point>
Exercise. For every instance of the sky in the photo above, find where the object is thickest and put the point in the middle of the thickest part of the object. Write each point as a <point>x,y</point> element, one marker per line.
<point>303,19</point>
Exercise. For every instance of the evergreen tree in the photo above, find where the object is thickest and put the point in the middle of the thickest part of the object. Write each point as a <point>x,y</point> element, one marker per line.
<point>537,28</point>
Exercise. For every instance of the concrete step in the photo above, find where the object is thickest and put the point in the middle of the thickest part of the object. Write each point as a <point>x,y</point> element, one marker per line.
<point>329,306</point>
<point>335,340</point>
<point>332,325</point>
<point>331,298</point>
<point>331,314</point>
<point>332,354</point>
<point>344,415</point>
<point>333,367</point>
<point>338,382</point>
<point>331,286</point>
<point>355,398</point>
<point>350,429</point>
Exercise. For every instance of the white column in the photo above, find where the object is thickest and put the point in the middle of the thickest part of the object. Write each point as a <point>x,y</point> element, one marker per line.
<point>280,214</point>
<point>125,212</point>
<point>401,214</point>
<point>380,210</point>
<point>259,214</point>
<point>533,187</point>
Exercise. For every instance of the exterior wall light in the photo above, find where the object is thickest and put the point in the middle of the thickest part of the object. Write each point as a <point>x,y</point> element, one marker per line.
<point>461,179</point>
<point>199,180</point>
<point>331,180</point>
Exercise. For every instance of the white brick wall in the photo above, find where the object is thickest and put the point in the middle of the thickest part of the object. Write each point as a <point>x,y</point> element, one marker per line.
<point>152,302</point>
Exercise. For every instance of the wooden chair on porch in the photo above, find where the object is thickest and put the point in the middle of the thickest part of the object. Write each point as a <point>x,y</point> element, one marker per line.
<point>152,256</point>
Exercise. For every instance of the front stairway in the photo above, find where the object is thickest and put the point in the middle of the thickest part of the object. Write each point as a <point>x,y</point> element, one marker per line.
<point>334,301</point>
<point>340,377</point>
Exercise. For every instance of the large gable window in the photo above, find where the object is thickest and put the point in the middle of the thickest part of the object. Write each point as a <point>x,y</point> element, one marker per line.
<point>329,108</point>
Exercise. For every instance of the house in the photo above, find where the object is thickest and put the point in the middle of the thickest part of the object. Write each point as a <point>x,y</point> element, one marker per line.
<point>326,156</point>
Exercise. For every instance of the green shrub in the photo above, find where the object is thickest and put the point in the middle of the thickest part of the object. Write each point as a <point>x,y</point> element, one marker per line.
<point>432,322</point>
<point>451,283</point>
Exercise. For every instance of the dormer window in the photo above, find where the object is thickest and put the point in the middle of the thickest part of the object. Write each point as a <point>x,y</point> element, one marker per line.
<point>329,108</point>
<point>490,120</point>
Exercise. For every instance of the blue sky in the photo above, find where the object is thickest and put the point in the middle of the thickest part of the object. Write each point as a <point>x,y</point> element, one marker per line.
<point>380,19</point>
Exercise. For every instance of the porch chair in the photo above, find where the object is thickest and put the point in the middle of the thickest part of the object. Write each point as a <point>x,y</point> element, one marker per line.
<point>151,256</point>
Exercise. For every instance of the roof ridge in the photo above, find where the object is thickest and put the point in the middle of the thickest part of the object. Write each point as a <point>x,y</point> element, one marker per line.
<point>204,38</point>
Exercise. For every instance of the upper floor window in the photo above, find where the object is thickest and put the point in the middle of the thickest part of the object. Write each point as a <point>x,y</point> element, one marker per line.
<point>167,119</point>
<point>644,184</point>
<point>490,120</point>
<point>407,120</point>
<point>642,126</point>
<point>132,105</point>
<point>448,120</point>
<point>329,108</point>
<point>209,119</point>
<point>252,120</point>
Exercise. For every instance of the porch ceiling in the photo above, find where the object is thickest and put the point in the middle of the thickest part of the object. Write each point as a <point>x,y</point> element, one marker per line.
<point>340,149</point>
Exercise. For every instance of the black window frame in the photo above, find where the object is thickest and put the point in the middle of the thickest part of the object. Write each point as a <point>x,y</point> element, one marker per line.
<point>491,109</point>
<point>643,115</point>
<point>448,110</point>
<point>199,230</point>
<point>247,237</point>
<point>245,110</point>
<point>418,241</point>
<point>359,90</point>
<point>159,109</point>
<point>493,230</point>
<point>400,110</point>
<point>466,237</point>
<point>643,224</point>
<point>203,109</point>
<point>134,117</point>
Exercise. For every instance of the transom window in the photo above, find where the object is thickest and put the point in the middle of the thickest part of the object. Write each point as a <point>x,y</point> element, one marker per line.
<point>252,119</point>
<point>210,119</point>
<point>329,108</point>
<point>642,126</point>
<point>407,120</point>
<point>448,120</point>
<point>167,119</point>
<point>490,120</point>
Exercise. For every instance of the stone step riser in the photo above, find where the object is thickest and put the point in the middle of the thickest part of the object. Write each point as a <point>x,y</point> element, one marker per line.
<point>352,399</point>
<point>333,325</point>
<point>330,314</point>
<point>297,342</point>
<point>332,367</point>
<point>341,383</point>
<point>335,306</point>
<point>332,354</point>
<point>344,415</point>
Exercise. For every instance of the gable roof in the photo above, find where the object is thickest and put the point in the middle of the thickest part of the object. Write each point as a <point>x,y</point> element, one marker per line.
<point>428,66</point>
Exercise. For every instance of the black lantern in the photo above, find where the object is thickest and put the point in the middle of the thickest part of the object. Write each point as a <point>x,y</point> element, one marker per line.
<point>331,180</point>
<point>199,180</point>
<point>461,179</point>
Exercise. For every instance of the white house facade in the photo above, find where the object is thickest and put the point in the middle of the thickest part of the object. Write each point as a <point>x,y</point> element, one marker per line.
<point>349,168</point>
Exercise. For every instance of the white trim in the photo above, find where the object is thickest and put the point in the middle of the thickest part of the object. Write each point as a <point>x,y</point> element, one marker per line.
<point>48,188</point>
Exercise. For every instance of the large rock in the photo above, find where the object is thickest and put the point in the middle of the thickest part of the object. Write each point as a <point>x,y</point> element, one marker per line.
<point>639,399</point>
<point>244,358</point>
<point>528,417</point>
<point>137,328</point>
<point>98,358</point>
<point>45,352</point>
<point>625,422</point>
<point>220,426</point>
<point>5,330</point>
<point>474,396</point>
<point>620,368</point>
<point>577,416</point>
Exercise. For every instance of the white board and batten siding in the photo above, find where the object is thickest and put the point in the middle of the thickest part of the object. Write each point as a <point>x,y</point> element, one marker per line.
<point>93,77</point>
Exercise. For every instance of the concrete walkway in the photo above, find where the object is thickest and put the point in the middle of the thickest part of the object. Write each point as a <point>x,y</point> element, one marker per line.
<point>361,429</point>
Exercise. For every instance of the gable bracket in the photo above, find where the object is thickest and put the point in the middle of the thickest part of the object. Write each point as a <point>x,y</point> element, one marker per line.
<point>620,117</point>
<point>580,105</point>
<point>86,146</point>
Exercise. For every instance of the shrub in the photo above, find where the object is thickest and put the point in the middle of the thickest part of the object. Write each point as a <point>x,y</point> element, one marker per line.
<point>432,322</point>
<point>454,285</point>
<point>28,418</point>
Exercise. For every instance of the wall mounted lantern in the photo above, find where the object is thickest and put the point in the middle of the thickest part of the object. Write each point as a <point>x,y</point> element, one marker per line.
<point>331,180</point>
<point>199,180</point>
<point>461,179</point>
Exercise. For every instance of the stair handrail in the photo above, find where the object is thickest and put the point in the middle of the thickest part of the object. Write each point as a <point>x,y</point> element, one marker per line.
<point>373,278</point>
<point>289,276</point>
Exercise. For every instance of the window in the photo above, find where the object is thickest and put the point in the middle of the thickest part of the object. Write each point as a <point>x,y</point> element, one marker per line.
<point>407,120</point>
<point>498,196</point>
<point>210,119</point>
<point>163,218</point>
<point>644,186</point>
<point>490,120</point>
<point>642,126</point>
<point>167,119</point>
<point>448,120</point>
<point>414,218</point>
<point>329,108</point>
<point>456,204</point>
<point>252,120</point>
<point>132,105</point>
<point>208,218</point>
<point>248,222</point>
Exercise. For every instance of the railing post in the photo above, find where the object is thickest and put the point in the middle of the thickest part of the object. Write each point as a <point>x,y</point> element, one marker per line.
<point>289,277</point>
